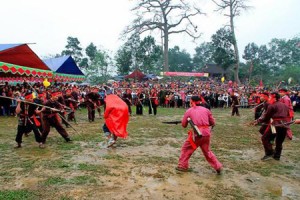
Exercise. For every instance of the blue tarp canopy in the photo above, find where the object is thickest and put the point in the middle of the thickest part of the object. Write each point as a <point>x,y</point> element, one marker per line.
<point>8,46</point>
<point>63,65</point>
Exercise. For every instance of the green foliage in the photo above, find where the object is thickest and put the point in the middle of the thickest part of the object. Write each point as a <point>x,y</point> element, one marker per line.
<point>73,49</point>
<point>149,54</point>
<point>180,61</point>
<point>91,52</point>
<point>203,56</point>
<point>98,70</point>
<point>136,54</point>
<point>123,60</point>
<point>222,41</point>
<point>169,17</point>
<point>277,61</point>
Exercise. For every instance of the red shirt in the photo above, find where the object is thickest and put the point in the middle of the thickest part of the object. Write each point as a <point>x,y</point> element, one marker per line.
<point>201,117</point>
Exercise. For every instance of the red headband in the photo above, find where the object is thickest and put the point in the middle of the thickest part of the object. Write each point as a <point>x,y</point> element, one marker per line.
<point>56,94</point>
<point>29,96</point>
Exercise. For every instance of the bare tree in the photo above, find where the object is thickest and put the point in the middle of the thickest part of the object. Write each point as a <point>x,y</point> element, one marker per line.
<point>168,16</point>
<point>232,9</point>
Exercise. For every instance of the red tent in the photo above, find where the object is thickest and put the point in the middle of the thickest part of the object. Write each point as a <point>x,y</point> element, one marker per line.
<point>136,74</point>
<point>21,55</point>
<point>18,61</point>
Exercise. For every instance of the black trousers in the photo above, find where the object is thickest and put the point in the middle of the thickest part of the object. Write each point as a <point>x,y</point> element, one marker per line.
<point>235,110</point>
<point>139,109</point>
<point>91,111</point>
<point>30,126</point>
<point>280,136</point>
<point>154,108</point>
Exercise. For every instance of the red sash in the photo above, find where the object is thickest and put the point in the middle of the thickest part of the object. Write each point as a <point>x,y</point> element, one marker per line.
<point>191,140</point>
<point>36,121</point>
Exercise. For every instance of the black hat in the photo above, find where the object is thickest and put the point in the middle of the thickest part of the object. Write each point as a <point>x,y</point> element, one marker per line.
<point>195,98</point>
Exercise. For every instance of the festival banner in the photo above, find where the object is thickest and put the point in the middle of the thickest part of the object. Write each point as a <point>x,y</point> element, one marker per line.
<point>194,74</point>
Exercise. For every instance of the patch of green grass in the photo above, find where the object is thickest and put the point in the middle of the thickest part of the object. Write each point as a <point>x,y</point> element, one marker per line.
<point>98,169</point>
<point>134,142</point>
<point>78,180</point>
<point>17,195</point>
<point>55,181</point>
<point>87,167</point>
<point>114,157</point>
<point>5,146</point>
<point>60,163</point>
<point>25,164</point>
<point>69,146</point>
<point>175,145</point>
<point>219,191</point>
<point>82,180</point>
<point>155,160</point>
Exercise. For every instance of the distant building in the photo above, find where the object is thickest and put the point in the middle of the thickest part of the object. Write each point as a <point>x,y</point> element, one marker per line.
<point>215,70</point>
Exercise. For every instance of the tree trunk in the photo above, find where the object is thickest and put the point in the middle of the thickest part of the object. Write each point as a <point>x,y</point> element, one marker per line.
<point>166,51</point>
<point>236,50</point>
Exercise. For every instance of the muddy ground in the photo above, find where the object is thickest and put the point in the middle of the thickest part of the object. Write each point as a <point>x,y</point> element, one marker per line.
<point>143,165</point>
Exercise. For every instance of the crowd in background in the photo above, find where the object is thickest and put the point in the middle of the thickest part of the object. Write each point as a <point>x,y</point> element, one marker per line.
<point>170,94</point>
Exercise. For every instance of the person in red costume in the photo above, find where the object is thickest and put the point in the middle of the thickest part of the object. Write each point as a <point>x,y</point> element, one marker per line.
<point>116,118</point>
<point>203,119</point>
<point>287,101</point>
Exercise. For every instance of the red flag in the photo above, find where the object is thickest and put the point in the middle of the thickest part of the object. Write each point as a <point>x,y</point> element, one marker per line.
<point>116,115</point>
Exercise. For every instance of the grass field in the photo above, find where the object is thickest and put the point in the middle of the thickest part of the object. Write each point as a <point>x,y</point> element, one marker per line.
<point>142,166</point>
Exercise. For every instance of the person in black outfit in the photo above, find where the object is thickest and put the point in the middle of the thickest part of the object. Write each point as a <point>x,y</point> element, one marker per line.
<point>91,100</point>
<point>234,105</point>
<point>27,121</point>
<point>140,102</point>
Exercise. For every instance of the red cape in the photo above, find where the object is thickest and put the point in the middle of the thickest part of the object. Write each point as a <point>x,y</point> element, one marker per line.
<point>116,115</point>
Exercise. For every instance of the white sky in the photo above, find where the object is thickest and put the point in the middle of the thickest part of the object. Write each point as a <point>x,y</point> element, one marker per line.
<point>48,23</point>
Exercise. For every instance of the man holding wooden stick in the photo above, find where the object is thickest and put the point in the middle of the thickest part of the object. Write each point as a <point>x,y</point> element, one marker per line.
<point>201,120</point>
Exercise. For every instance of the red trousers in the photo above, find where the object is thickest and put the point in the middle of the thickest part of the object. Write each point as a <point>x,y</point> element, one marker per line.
<point>204,143</point>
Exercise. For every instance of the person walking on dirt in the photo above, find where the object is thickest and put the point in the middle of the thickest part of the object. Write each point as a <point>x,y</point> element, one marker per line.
<point>234,105</point>
<point>203,119</point>
<point>27,119</point>
<point>116,118</point>
<point>51,118</point>
<point>287,101</point>
<point>276,116</point>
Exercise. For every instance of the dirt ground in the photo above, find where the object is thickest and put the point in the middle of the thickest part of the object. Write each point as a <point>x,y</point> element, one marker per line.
<point>143,165</point>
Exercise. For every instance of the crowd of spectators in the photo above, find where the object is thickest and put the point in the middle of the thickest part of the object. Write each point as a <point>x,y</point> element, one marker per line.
<point>172,94</point>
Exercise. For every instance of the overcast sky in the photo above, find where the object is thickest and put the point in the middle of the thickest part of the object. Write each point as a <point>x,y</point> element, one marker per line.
<point>48,23</point>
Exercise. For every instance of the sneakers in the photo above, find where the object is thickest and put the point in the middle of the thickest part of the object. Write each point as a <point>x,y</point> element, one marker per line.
<point>266,157</point>
<point>68,140</point>
<point>183,169</point>
<point>110,142</point>
<point>42,146</point>
<point>18,146</point>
